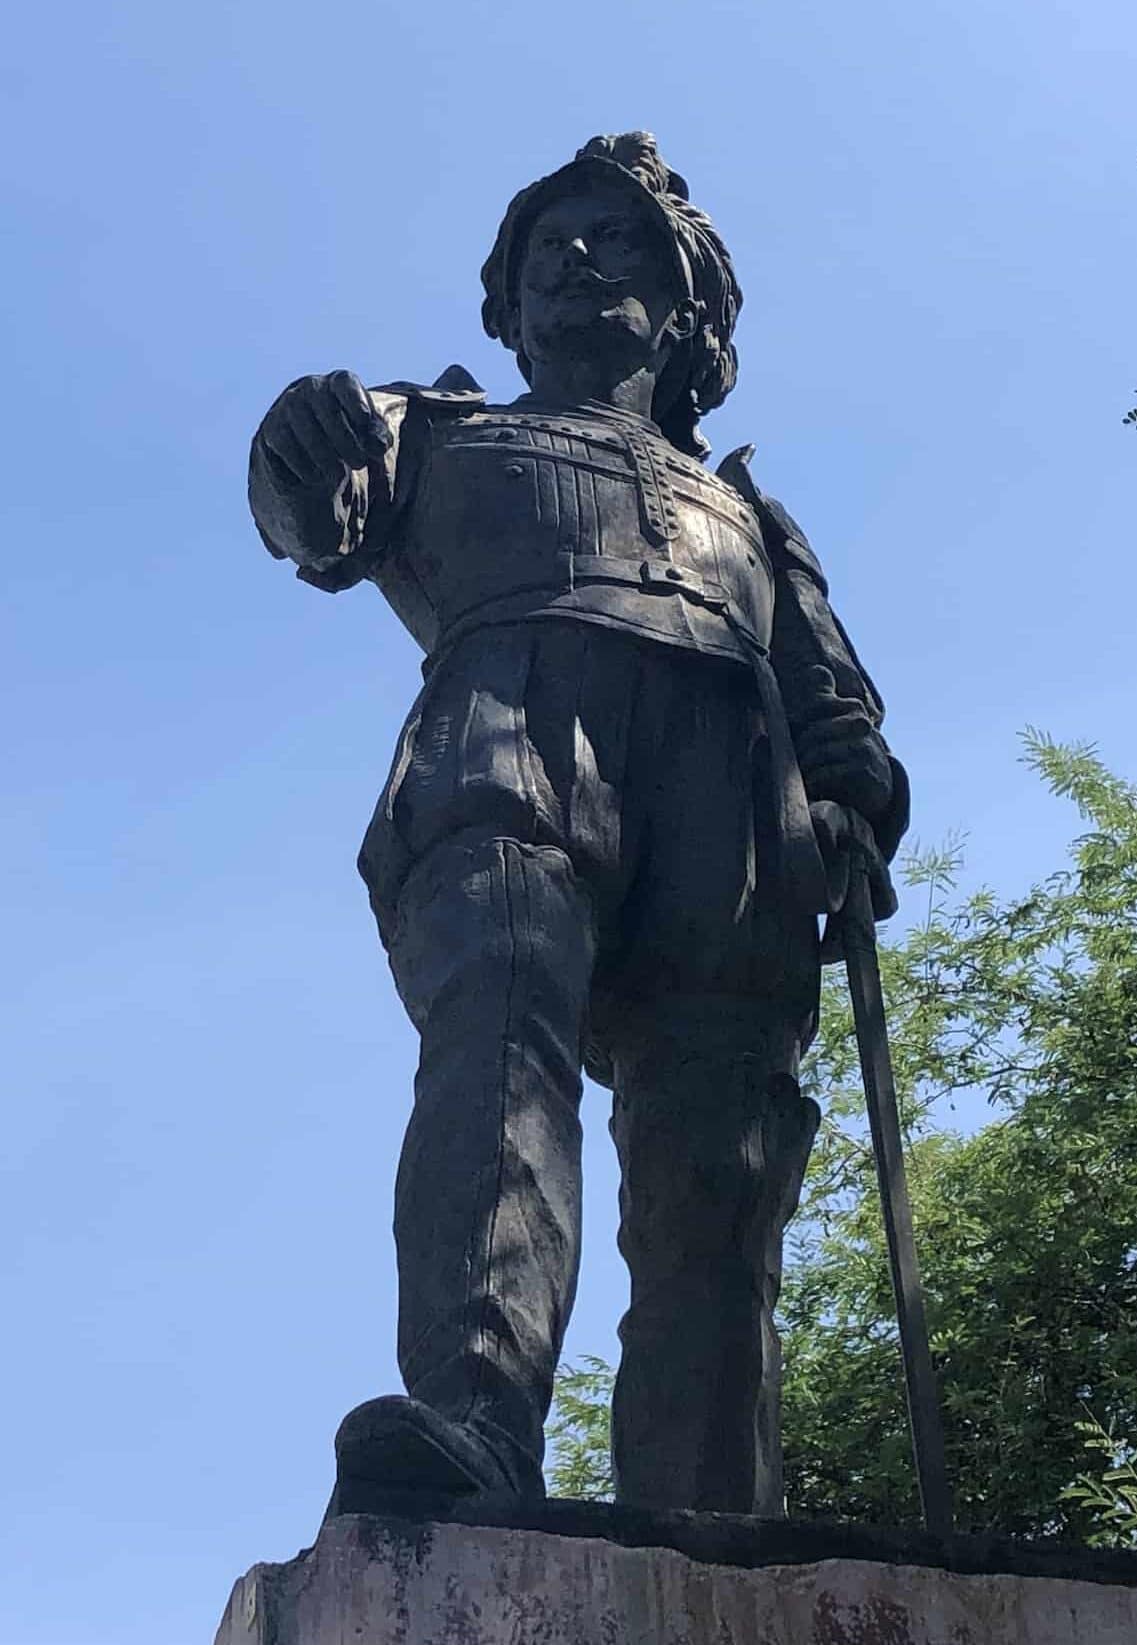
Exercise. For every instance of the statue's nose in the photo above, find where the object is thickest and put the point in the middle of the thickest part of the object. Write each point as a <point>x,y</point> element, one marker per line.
<point>576,250</point>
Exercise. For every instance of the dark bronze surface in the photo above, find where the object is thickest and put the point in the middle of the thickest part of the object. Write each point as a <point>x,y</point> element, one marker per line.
<point>619,804</point>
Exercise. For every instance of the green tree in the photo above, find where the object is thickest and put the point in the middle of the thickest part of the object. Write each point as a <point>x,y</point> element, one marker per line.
<point>1027,1227</point>
<point>579,1430</point>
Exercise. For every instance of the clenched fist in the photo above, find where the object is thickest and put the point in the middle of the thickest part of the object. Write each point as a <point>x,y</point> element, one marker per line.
<point>308,469</point>
<point>320,425</point>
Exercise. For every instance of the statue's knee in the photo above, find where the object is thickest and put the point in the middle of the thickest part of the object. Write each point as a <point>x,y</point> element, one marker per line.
<point>713,1144</point>
<point>480,916</point>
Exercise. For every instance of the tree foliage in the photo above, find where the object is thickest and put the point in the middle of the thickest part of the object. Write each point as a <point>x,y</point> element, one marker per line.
<point>1027,1227</point>
<point>579,1430</point>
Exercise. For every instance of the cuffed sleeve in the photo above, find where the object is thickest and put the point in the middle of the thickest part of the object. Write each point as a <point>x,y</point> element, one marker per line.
<point>334,539</point>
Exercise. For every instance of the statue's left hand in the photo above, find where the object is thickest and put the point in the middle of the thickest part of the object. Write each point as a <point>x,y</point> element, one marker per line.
<point>843,834</point>
<point>841,754</point>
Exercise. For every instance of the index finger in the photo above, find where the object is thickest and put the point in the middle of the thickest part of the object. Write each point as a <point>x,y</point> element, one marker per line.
<point>362,418</point>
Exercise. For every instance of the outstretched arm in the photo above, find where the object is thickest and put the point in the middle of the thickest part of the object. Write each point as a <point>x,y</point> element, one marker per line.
<point>321,476</point>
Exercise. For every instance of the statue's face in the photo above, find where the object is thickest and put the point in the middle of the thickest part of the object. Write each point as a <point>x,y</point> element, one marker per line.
<point>596,275</point>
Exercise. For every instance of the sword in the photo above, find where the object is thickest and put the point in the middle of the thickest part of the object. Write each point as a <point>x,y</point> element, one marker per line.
<point>858,930</point>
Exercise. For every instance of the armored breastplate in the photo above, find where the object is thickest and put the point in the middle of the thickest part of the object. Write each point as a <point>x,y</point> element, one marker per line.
<point>522,513</point>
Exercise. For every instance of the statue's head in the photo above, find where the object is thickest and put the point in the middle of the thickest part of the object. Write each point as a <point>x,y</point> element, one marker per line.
<point>608,254</point>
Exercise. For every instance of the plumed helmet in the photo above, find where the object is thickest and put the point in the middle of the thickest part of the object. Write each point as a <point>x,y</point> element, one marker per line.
<point>702,265</point>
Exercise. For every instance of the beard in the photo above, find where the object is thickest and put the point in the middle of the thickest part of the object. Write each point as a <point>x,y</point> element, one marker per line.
<point>583,324</point>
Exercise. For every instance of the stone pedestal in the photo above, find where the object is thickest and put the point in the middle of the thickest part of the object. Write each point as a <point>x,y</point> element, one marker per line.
<point>371,1581</point>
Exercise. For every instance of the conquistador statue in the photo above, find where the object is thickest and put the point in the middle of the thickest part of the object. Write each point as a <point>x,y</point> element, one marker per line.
<point>618,806</point>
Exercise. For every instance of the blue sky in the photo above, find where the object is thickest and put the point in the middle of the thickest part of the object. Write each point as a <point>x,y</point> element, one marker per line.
<point>932,212</point>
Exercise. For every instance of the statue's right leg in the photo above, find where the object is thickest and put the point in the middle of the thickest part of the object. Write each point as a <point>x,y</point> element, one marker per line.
<point>492,951</point>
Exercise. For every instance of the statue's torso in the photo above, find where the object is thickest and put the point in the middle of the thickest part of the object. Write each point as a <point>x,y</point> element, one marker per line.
<point>518,513</point>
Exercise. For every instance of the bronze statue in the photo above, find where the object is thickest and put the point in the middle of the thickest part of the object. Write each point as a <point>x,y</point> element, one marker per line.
<point>619,804</point>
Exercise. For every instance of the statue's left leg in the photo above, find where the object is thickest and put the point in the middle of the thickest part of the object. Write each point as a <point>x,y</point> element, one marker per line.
<point>713,1137</point>
<point>704,1008</point>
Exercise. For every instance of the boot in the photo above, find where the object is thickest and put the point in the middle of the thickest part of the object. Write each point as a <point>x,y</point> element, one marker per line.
<point>398,1456</point>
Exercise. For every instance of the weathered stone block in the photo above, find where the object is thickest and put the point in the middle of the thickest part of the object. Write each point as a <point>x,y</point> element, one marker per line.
<point>382,1582</point>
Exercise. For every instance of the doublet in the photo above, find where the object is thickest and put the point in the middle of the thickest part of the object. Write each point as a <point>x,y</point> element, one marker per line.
<point>515,513</point>
<point>484,517</point>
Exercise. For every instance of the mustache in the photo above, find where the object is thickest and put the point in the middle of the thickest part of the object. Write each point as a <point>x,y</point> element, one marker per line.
<point>584,280</point>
